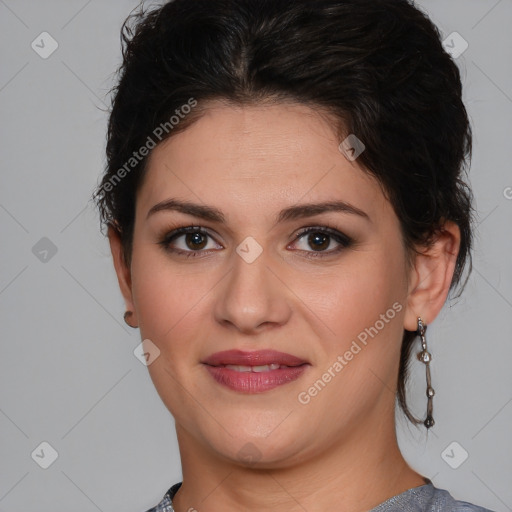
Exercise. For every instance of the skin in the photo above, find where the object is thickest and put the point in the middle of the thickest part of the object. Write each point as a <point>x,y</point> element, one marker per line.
<point>339,451</point>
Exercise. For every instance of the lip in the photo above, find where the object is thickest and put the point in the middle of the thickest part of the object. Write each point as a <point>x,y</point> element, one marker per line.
<point>291,369</point>
<point>254,358</point>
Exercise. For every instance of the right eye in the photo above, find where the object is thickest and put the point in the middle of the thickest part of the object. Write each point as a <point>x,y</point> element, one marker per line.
<point>188,241</point>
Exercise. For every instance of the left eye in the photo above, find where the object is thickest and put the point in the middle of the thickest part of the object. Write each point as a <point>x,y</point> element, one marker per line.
<point>320,239</point>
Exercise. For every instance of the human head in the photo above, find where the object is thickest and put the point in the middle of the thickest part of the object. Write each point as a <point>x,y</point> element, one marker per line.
<point>377,68</point>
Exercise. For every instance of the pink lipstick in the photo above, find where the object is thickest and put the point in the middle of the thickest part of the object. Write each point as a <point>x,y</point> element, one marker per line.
<point>254,372</point>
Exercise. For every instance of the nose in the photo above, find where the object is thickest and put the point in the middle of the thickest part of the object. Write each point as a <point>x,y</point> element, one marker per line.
<point>253,298</point>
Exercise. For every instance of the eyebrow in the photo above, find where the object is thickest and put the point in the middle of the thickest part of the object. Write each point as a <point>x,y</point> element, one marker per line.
<point>287,214</point>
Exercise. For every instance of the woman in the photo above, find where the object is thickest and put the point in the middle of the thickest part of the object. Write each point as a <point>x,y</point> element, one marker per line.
<point>286,213</point>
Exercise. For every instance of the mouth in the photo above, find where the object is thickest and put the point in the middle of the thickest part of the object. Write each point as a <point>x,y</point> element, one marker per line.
<point>254,372</point>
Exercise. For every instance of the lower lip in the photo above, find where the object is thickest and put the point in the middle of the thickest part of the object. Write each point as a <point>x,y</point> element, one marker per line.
<point>255,382</point>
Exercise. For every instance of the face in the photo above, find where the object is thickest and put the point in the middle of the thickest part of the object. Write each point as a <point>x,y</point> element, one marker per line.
<point>325,285</point>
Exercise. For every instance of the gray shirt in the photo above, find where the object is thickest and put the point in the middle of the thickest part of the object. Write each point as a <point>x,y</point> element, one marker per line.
<point>425,498</point>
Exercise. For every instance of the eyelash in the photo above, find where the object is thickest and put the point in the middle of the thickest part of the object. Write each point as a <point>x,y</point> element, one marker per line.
<point>342,239</point>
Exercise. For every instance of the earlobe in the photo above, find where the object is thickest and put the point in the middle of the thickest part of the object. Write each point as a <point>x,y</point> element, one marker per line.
<point>431,276</point>
<point>122,270</point>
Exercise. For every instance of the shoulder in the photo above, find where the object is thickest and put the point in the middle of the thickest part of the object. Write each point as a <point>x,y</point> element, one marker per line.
<point>166,504</point>
<point>443,501</point>
<point>427,498</point>
<point>423,499</point>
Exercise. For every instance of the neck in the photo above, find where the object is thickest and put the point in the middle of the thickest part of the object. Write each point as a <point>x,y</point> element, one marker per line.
<point>361,471</point>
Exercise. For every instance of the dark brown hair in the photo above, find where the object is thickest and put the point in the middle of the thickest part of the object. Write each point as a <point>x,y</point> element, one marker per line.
<point>377,66</point>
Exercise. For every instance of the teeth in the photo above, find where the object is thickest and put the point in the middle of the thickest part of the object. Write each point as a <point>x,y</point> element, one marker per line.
<point>265,367</point>
<point>262,368</point>
<point>238,368</point>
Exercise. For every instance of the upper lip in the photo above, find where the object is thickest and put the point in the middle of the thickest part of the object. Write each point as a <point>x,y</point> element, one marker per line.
<point>255,358</point>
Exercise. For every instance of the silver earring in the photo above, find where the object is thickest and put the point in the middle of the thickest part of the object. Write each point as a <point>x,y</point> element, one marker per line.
<point>425,357</point>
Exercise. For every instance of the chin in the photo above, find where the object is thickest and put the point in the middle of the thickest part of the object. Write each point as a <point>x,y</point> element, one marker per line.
<point>255,449</point>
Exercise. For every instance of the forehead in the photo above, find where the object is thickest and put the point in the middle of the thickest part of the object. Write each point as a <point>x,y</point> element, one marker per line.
<point>267,155</point>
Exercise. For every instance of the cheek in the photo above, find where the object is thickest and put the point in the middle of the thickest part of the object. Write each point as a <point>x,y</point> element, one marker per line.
<point>169,304</point>
<point>352,296</point>
<point>166,297</point>
<point>363,306</point>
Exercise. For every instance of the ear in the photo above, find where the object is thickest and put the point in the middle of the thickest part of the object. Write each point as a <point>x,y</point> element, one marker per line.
<point>122,270</point>
<point>431,276</point>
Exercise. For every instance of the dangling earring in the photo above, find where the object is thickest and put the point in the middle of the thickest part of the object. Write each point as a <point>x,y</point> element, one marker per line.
<point>425,357</point>
<point>127,315</point>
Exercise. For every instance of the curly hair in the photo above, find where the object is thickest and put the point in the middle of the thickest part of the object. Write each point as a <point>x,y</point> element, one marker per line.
<point>378,67</point>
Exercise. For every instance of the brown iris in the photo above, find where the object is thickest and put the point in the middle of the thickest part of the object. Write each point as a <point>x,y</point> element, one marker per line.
<point>318,241</point>
<point>195,241</point>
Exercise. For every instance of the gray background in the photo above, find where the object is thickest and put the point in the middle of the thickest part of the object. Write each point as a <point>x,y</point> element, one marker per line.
<point>68,375</point>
